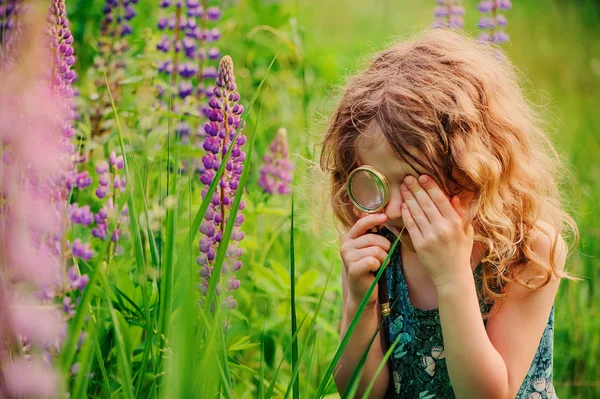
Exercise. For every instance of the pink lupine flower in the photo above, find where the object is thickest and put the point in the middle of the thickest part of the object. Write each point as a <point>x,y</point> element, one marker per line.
<point>32,115</point>
<point>276,172</point>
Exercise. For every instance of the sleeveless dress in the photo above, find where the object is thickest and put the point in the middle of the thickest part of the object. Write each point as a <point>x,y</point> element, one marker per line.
<point>418,366</point>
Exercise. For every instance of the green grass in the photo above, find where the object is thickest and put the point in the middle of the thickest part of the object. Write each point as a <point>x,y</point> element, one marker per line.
<point>147,335</point>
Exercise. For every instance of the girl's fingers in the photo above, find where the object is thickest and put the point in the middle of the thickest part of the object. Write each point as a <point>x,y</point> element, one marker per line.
<point>374,252</point>
<point>365,224</point>
<point>369,240</point>
<point>418,215</point>
<point>422,197</point>
<point>438,197</point>
<point>363,267</point>
<point>358,254</point>
<point>411,226</point>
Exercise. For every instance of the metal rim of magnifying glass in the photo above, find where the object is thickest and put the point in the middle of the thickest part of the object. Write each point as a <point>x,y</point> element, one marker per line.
<point>384,180</point>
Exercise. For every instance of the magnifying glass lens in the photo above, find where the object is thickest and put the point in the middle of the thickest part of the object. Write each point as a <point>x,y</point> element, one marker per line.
<point>367,190</point>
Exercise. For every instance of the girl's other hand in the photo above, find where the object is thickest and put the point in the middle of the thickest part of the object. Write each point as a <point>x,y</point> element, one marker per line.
<point>362,254</point>
<point>439,231</point>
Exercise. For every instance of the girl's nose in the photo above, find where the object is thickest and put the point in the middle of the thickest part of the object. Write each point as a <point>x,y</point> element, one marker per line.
<point>393,209</point>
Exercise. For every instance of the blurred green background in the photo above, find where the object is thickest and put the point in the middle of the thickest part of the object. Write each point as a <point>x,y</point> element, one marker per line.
<point>555,44</point>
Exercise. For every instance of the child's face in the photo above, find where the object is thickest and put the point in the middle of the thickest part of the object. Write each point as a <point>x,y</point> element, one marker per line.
<point>378,153</point>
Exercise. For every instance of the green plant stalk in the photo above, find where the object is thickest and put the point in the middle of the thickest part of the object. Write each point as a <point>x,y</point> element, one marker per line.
<point>186,302</point>
<point>121,355</point>
<point>380,367</point>
<point>338,353</point>
<point>224,379</point>
<point>166,297</point>
<point>313,344</point>
<point>314,320</point>
<point>296,370</point>
<point>295,365</point>
<point>354,380</point>
<point>135,232</point>
<point>68,352</point>
<point>100,359</point>
<point>85,364</point>
<point>208,349</point>
<point>261,375</point>
<point>226,375</point>
<point>134,220</point>
<point>271,387</point>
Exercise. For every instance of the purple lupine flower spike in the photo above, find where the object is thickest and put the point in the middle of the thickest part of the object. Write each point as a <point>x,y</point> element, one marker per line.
<point>112,59</point>
<point>492,23</point>
<point>9,28</point>
<point>448,14</point>
<point>276,172</point>
<point>224,120</point>
<point>194,45</point>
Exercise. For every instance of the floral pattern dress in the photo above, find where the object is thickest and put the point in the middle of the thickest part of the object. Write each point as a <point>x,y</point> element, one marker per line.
<point>417,364</point>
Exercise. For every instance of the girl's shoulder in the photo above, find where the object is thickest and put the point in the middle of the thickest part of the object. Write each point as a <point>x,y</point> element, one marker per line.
<point>542,244</point>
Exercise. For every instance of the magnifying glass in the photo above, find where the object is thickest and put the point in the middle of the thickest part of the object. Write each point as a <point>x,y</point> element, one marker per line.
<point>369,191</point>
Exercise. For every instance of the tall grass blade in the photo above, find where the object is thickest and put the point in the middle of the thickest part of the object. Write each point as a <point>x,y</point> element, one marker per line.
<point>338,353</point>
<point>295,365</point>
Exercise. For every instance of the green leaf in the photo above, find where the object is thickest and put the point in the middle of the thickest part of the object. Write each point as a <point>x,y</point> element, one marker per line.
<point>131,79</point>
<point>134,223</point>
<point>306,282</point>
<point>236,331</point>
<point>124,363</point>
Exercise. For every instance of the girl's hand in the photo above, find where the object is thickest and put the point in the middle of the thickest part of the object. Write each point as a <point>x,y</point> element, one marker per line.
<point>363,254</point>
<point>437,228</point>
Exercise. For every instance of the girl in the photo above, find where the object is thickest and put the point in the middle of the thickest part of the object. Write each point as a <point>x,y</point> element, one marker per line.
<point>474,189</point>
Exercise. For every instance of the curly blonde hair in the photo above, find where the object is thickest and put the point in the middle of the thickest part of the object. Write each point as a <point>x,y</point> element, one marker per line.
<point>459,103</point>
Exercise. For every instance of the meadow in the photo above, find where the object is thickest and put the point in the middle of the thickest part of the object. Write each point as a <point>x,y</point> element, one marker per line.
<point>142,223</point>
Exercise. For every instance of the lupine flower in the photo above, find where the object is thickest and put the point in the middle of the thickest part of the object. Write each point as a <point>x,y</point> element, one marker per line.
<point>112,59</point>
<point>61,74</point>
<point>75,281</point>
<point>31,129</point>
<point>224,120</point>
<point>110,182</point>
<point>492,23</point>
<point>448,14</point>
<point>82,250</point>
<point>276,172</point>
<point>117,17</point>
<point>82,216</point>
<point>83,180</point>
<point>189,56</point>
<point>61,42</point>
<point>194,38</point>
<point>9,28</point>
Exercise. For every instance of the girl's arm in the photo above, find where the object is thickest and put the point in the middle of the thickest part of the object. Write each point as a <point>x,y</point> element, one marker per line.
<point>357,344</point>
<point>488,364</point>
<point>493,363</point>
